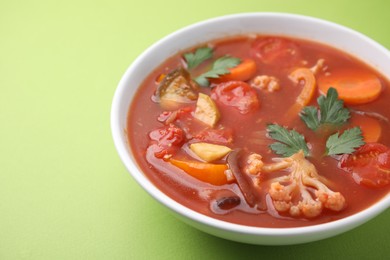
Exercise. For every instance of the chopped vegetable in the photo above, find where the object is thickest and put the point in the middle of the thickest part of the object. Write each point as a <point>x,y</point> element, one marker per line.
<point>265,82</point>
<point>237,94</point>
<point>243,72</point>
<point>306,75</point>
<point>216,135</point>
<point>175,89</point>
<point>166,140</point>
<point>354,86</point>
<point>346,143</point>
<point>160,77</point>
<point>244,180</point>
<point>276,51</point>
<point>254,164</point>
<point>209,152</point>
<point>199,56</point>
<point>289,141</point>
<point>206,172</point>
<point>206,110</point>
<point>293,194</point>
<point>369,165</point>
<point>331,111</point>
<point>310,116</point>
<point>307,92</point>
<point>183,118</point>
<point>370,126</point>
<point>220,67</point>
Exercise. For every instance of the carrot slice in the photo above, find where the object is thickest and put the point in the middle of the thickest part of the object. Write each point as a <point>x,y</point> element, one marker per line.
<point>242,72</point>
<point>306,75</point>
<point>160,77</point>
<point>354,86</point>
<point>207,172</point>
<point>370,127</point>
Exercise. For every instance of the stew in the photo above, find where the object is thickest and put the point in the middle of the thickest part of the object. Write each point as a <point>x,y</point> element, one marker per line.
<point>264,131</point>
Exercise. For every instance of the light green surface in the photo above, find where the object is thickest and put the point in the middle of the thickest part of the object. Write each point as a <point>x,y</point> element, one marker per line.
<point>64,193</point>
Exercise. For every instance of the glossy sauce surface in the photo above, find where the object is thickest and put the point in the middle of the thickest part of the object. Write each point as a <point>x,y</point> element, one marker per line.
<point>249,133</point>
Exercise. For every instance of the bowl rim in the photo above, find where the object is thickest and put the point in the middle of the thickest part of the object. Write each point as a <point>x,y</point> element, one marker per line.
<point>148,186</point>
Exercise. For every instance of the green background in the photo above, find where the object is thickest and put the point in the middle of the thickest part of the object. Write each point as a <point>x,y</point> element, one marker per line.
<point>64,193</point>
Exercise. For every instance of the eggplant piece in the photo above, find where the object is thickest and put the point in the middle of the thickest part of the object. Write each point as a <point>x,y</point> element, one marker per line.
<point>177,88</point>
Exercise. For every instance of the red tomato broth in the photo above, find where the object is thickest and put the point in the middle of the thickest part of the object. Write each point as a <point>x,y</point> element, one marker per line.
<point>196,195</point>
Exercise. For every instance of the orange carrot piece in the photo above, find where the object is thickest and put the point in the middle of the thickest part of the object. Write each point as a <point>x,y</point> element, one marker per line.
<point>207,172</point>
<point>242,72</point>
<point>160,77</point>
<point>354,86</point>
<point>370,127</point>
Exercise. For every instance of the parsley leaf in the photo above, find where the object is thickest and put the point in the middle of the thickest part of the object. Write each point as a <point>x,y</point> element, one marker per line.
<point>347,142</point>
<point>289,141</point>
<point>226,62</point>
<point>310,116</point>
<point>199,56</point>
<point>220,67</point>
<point>331,111</point>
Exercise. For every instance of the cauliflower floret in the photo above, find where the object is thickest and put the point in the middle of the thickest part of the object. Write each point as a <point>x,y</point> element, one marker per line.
<point>308,206</point>
<point>282,192</point>
<point>254,163</point>
<point>302,193</point>
<point>296,195</point>
<point>282,195</point>
<point>331,200</point>
<point>265,82</point>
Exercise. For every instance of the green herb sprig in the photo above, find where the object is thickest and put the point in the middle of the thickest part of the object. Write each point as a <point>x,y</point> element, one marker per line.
<point>200,55</point>
<point>220,67</point>
<point>347,142</point>
<point>289,141</point>
<point>331,111</point>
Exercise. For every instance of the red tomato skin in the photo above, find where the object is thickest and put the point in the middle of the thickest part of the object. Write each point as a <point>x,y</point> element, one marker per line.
<point>237,94</point>
<point>167,140</point>
<point>369,165</point>
<point>217,136</point>
<point>275,51</point>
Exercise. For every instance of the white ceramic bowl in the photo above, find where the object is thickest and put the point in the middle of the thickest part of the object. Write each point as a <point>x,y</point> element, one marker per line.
<point>263,23</point>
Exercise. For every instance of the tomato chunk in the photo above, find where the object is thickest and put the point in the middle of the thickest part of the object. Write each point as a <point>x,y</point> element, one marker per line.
<point>237,94</point>
<point>275,51</point>
<point>167,140</point>
<point>219,136</point>
<point>369,165</point>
